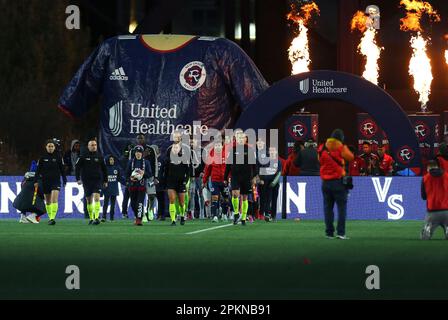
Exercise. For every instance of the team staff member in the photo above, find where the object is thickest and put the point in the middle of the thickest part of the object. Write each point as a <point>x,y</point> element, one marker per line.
<point>241,163</point>
<point>177,172</point>
<point>269,178</point>
<point>332,156</point>
<point>215,170</point>
<point>435,192</point>
<point>137,188</point>
<point>50,168</point>
<point>91,172</point>
<point>307,159</point>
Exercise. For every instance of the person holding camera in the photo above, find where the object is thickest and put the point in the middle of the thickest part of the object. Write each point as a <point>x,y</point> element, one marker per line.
<point>332,157</point>
<point>50,169</point>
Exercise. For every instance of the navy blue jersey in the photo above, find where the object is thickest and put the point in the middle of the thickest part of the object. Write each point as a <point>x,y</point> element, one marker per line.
<point>114,177</point>
<point>154,92</point>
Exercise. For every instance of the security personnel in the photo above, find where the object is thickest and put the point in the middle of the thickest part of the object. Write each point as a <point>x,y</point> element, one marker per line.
<point>91,172</point>
<point>50,168</point>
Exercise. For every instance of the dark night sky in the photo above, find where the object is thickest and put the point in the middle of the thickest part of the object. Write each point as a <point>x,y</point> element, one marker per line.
<point>331,43</point>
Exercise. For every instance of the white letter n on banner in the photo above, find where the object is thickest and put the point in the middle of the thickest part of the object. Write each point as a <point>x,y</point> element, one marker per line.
<point>299,198</point>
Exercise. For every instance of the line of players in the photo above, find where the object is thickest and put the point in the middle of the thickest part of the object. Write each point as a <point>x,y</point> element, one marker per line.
<point>231,164</point>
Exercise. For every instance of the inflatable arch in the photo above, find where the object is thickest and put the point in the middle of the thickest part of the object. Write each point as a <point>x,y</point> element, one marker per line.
<point>333,85</point>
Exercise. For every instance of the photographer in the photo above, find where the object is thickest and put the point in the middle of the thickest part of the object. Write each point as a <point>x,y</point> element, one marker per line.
<point>332,156</point>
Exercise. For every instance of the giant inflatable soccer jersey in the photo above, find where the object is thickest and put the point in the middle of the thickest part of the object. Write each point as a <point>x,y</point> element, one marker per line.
<point>148,90</point>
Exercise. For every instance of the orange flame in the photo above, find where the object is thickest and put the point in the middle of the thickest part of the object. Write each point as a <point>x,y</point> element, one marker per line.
<point>420,64</point>
<point>367,47</point>
<point>415,10</point>
<point>303,14</point>
<point>359,21</point>
<point>298,52</point>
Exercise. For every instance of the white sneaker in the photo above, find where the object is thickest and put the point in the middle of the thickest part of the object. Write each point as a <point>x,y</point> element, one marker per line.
<point>215,219</point>
<point>32,218</point>
<point>23,219</point>
<point>342,237</point>
<point>224,217</point>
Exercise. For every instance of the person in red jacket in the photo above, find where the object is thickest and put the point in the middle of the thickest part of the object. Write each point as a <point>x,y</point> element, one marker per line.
<point>435,192</point>
<point>332,157</point>
<point>215,169</point>
<point>289,168</point>
<point>355,167</point>
<point>386,162</point>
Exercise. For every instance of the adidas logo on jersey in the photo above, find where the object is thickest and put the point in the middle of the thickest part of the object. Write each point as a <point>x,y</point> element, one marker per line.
<point>119,74</point>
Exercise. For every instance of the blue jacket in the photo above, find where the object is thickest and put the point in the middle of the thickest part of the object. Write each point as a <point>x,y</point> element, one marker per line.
<point>114,176</point>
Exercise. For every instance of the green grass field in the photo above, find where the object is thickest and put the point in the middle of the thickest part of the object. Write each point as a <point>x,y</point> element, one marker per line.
<point>281,260</point>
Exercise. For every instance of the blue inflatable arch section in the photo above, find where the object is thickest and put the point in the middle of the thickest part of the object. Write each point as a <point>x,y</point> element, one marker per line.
<point>345,87</point>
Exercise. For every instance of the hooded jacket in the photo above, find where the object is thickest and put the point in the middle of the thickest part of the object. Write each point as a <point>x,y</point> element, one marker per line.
<point>332,157</point>
<point>435,190</point>
<point>70,159</point>
<point>114,176</point>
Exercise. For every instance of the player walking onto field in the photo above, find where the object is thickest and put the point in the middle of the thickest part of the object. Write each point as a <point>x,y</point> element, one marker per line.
<point>241,164</point>
<point>50,168</point>
<point>215,170</point>
<point>177,173</point>
<point>138,171</point>
<point>91,172</point>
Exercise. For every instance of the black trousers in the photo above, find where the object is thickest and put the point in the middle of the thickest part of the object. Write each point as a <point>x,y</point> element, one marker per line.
<point>334,192</point>
<point>125,202</point>
<point>138,202</point>
<point>268,199</point>
<point>112,200</point>
<point>161,204</point>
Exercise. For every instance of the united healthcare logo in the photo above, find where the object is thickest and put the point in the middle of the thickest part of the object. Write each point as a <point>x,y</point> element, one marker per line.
<point>116,119</point>
<point>304,85</point>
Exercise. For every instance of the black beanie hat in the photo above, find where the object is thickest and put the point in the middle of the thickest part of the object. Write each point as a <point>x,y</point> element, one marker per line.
<point>338,134</point>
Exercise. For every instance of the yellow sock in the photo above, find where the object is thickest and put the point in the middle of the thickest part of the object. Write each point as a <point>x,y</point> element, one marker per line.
<point>172,210</point>
<point>55,210</point>
<point>236,205</point>
<point>89,210</point>
<point>96,209</point>
<point>48,208</point>
<point>244,207</point>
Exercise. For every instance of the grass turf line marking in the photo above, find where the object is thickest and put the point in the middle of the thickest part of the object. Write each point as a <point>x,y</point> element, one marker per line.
<point>208,229</point>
